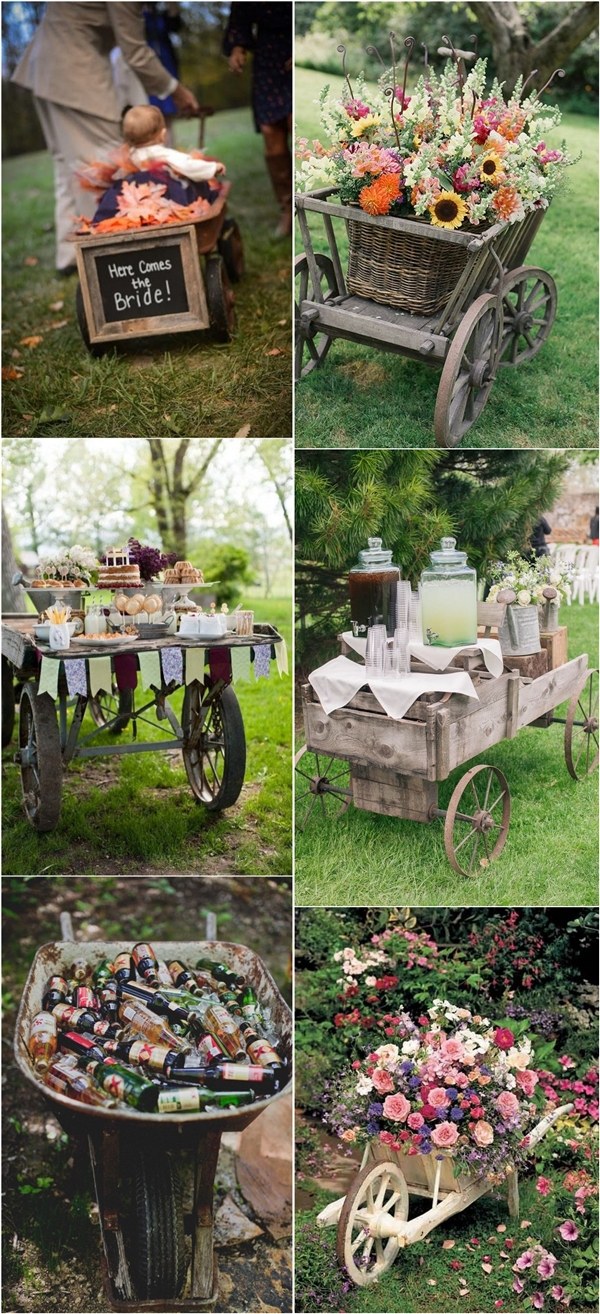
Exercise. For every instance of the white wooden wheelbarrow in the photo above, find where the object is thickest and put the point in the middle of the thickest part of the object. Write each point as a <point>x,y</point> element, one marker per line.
<point>372,1219</point>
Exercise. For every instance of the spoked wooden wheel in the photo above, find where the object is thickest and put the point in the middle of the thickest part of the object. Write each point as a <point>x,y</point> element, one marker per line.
<point>469,371</point>
<point>581,729</point>
<point>40,759</point>
<point>220,298</point>
<point>477,821</point>
<point>324,787</point>
<point>8,703</point>
<point>112,709</point>
<point>214,746</point>
<point>377,1199</point>
<point>311,344</point>
<point>529,311</point>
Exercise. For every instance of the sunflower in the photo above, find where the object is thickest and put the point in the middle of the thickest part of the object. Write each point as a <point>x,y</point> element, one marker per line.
<point>490,168</point>
<point>448,210</point>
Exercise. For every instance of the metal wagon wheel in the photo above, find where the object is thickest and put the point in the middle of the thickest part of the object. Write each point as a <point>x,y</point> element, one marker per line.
<point>311,344</point>
<point>324,785</point>
<point>159,1263</point>
<point>529,311</point>
<point>377,1199</point>
<point>473,839</point>
<point>231,248</point>
<point>214,745</point>
<point>115,706</point>
<point>40,759</point>
<point>8,703</point>
<point>581,729</point>
<point>469,371</point>
<point>220,298</point>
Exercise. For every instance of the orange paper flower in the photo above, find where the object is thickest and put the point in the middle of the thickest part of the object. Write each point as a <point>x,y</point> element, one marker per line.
<point>380,196</point>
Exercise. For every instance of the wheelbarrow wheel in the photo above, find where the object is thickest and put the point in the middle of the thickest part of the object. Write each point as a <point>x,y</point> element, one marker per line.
<point>231,248</point>
<point>311,344</point>
<point>94,348</point>
<point>214,746</point>
<point>220,298</point>
<point>40,759</point>
<point>377,1199</point>
<point>326,785</point>
<point>469,371</point>
<point>115,706</point>
<point>8,703</point>
<point>159,1263</point>
<point>581,729</point>
<point>477,821</point>
<point>529,311</point>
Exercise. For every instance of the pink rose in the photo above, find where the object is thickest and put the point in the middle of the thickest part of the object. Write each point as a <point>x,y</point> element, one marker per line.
<point>438,1098</point>
<point>444,1135</point>
<point>452,1049</point>
<point>382,1081</point>
<point>503,1038</point>
<point>543,1185</point>
<point>415,1120</point>
<point>396,1107</point>
<point>483,1133</point>
<point>527,1080</point>
<point>386,1138</point>
<point>508,1104</point>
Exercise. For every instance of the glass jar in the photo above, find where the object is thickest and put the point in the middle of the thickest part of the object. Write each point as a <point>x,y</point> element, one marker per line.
<point>448,593</point>
<point>372,584</point>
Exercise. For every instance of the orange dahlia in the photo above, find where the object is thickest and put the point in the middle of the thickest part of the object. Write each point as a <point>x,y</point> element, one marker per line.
<point>380,196</point>
<point>507,202</point>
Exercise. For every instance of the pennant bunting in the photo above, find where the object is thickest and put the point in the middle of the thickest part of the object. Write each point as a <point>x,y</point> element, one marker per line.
<point>172,665</point>
<point>281,657</point>
<point>149,663</point>
<point>100,675</point>
<point>240,664</point>
<point>262,661</point>
<point>126,670</point>
<point>194,665</point>
<point>219,664</point>
<point>49,676</point>
<point>76,674</point>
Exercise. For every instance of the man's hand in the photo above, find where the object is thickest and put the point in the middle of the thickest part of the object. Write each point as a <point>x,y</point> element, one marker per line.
<point>186,102</point>
<point>237,59</point>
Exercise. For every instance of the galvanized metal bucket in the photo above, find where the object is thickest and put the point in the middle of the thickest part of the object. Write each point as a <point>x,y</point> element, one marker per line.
<point>520,632</point>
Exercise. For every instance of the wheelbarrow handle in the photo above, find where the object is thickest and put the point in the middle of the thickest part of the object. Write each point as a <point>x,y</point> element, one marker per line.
<point>205,112</point>
<point>66,927</point>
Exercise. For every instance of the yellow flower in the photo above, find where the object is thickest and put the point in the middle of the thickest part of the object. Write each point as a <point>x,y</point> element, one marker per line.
<point>362,125</point>
<point>448,210</point>
<point>490,168</point>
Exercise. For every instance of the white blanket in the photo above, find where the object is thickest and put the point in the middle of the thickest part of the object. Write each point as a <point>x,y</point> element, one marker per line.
<point>336,683</point>
<point>440,658</point>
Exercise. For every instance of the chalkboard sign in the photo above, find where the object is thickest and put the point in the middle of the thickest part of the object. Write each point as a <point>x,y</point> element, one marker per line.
<point>142,284</point>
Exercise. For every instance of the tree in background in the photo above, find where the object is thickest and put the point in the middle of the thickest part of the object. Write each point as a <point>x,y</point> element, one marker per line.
<point>518,46</point>
<point>171,488</point>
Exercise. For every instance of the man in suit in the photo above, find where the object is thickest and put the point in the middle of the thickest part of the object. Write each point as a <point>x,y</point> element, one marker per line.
<point>67,67</point>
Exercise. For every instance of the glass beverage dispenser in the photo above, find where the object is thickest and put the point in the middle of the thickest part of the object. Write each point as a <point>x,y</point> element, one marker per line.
<point>372,584</point>
<point>448,593</point>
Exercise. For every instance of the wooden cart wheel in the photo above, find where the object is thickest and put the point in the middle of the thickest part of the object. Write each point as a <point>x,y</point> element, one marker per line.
<point>312,345</point>
<point>220,298</point>
<point>581,729</point>
<point>529,311</point>
<point>214,747</point>
<point>94,348</point>
<point>8,703</point>
<point>376,1190</point>
<point>469,371</point>
<point>325,785</point>
<point>116,705</point>
<point>475,838</point>
<point>231,248</point>
<point>40,759</point>
<point>159,1262</point>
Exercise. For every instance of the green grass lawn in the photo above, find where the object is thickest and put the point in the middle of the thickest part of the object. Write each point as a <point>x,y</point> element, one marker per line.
<point>138,814</point>
<point>551,855</point>
<point>361,397</point>
<point>189,385</point>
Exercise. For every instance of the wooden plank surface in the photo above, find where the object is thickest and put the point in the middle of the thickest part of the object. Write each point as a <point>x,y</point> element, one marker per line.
<point>556,644</point>
<point>362,737</point>
<point>360,317</point>
<point>544,694</point>
<point>18,641</point>
<point>474,241</point>
<point>392,794</point>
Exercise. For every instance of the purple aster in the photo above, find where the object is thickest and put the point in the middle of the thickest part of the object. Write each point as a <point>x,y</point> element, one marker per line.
<point>375,1110</point>
<point>414,1081</point>
<point>407,1066</point>
<point>451,1092</point>
<point>456,1115</point>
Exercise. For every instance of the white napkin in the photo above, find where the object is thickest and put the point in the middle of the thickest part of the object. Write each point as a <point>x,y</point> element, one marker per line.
<point>440,658</point>
<point>336,683</point>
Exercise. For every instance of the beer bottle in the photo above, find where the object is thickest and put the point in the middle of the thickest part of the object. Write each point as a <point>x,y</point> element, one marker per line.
<point>109,1002</point>
<point>158,1057</point>
<point>209,1048</point>
<point>83,997</point>
<point>144,958</point>
<point>216,1019</point>
<point>155,1000</point>
<point>42,1041</point>
<point>86,1047</point>
<point>250,1006</point>
<point>191,1099</point>
<point>56,992</point>
<point>207,982</point>
<point>259,1049</point>
<point>222,1076</point>
<point>79,970</point>
<point>230,1001</point>
<point>123,969</point>
<point>181,977</point>
<point>80,1019</point>
<point>102,973</point>
<point>152,1028</point>
<point>221,972</point>
<point>123,1084</point>
<point>77,1085</point>
<point>163,973</point>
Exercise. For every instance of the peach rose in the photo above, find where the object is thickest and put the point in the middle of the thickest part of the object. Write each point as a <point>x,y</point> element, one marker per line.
<point>396,1107</point>
<point>453,1049</point>
<point>350,1134</point>
<point>445,1135</point>
<point>527,1080</point>
<point>483,1133</point>
<point>382,1081</point>
<point>508,1104</point>
<point>438,1098</point>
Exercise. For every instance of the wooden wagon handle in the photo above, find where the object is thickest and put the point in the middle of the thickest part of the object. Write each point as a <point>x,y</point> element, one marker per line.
<point>546,1123</point>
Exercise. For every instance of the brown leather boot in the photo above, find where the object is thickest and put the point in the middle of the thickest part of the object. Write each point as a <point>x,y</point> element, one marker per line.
<point>280,170</point>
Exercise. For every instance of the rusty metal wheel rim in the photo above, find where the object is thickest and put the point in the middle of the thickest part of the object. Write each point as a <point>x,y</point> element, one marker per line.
<point>581,729</point>
<point>486,822</point>
<point>319,786</point>
<point>469,371</point>
<point>528,313</point>
<point>315,343</point>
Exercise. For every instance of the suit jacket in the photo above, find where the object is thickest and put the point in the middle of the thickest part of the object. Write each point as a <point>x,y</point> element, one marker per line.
<point>67,61</point>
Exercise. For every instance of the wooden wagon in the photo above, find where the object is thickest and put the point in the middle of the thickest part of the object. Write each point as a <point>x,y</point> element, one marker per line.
<point>372,1219</point>
<point>395,766</point>
<point>492,310</point>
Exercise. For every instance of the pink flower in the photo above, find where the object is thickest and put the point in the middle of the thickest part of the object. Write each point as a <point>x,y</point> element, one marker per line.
<point>503,1038</point>
<point>452,1049</point>
<point>558,1292</point>
<point>523,1262</point>
<point>444,1135</point>
<point>547,1265</point>
<point>569,1231</point>
<point>382,1081</point>
<point>537,1300</point>
<point>518,1286</point>
<point>396,1107</point>
<point>386,1138</point>
<point>543,1185</point>
<point>566,1062</point>
<point>438,1098</point>
<point>498,1304</point>
<point>415,1120</point>
<point>483,1133</point>
<point>508,1104</point>
<point>461,179</point>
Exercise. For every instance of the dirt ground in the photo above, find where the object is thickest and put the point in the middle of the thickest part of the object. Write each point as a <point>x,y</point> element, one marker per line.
<point>51,1237</point>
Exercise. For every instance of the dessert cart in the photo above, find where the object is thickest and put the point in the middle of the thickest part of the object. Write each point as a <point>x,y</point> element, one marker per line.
<point>465,302</point>
<point>372,1219</point>
<point>395,766</point>
<point>141,1161</point>
<point>210,733</point>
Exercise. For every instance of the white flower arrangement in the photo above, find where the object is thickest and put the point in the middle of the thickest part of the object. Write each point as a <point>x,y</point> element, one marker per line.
<point>76,562</point>
<point>528,579</point>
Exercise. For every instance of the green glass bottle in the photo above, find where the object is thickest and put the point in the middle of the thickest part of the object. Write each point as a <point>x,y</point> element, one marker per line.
<point>123,1084</point>
<point>192,1099</point>
<point>221,972</point>
<point>102,973</point>
<point>250,1006</point>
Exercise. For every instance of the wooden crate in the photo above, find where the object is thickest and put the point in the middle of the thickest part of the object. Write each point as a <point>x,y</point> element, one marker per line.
<point>535,664</point>
<point>556,644</point>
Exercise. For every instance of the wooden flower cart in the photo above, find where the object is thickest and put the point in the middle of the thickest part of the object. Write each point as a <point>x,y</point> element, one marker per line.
<point>372,1219</point>
<point>210,733</point>
<point>464,302</point>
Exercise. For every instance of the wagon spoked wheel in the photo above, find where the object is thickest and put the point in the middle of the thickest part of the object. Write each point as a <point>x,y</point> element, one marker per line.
<point>581,729</point>
<point>115,707</point>
<point>40,759</point>
<point>477,821</point>
<point>8,703</point>
<point>214,745</point>
<point>220,298</point>
<point>231,248</point>
<point>377,1199</point>
<point>323,788</point>
<point>469,371</point>
<point>159,1262</point>
<point>311,344</point>
<point>529,311</point>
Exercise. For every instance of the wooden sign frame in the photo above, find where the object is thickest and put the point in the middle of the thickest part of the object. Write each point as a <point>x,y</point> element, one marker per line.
<point>184,238</point>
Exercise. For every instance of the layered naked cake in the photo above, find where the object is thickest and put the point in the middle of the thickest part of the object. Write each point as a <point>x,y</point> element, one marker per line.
<point>117,571</point>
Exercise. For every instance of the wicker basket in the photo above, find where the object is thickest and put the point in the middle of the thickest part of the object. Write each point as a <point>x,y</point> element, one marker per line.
<point>412,271</point>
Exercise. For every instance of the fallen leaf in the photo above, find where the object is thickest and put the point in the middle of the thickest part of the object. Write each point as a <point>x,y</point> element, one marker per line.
<point>448,1245</point>
<point>243,432</point>
<point>10,373</point>
<point>33,341</point>
<point>487,1268</point>
<point>282,323</point>
<point>58,323</point>
<point>275,351</point>
<point>15,353</point>
<point>504,1254</point>
<point>464,1291</point>
<point>31,260</point>
<point>56,305</point>
<point>501,1227</point>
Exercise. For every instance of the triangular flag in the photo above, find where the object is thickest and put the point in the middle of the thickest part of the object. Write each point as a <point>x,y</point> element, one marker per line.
<point>100,675</point>
<point>240,664</point>
<point>281,657</point>
<point>150,675</point>
<point>194,664</point>
<point>49,676</point>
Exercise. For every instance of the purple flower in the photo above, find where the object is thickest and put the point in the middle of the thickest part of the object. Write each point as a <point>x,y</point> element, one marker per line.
<point>407,1066</point>
<point>547,1266</point>
<point>558,1293</point>
<point>569,1231</point>
<point>414,1081</point>
<point>524,1261</point>
<point>518,1286</point>
<point>375,1110</point>
<point>537,1300</point>
<point>451,1092</point>
<point>456,1115</point>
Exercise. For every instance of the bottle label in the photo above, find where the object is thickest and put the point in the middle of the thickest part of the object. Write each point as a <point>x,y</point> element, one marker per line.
<point>101,1028</point>
<point>220,1015</point>
<point>153,1055</point>
<point>180,1101</point>
<point>209,1047</point>
<point>43,1025</point>
<point>85,998</point>
<point>241,1072</point>
<point>261,1049</point>
<point>115,1085</point>
<point>82,1043</point>
<point>121,962</point>
<point>57,983</point>
<point>65,1014</point>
